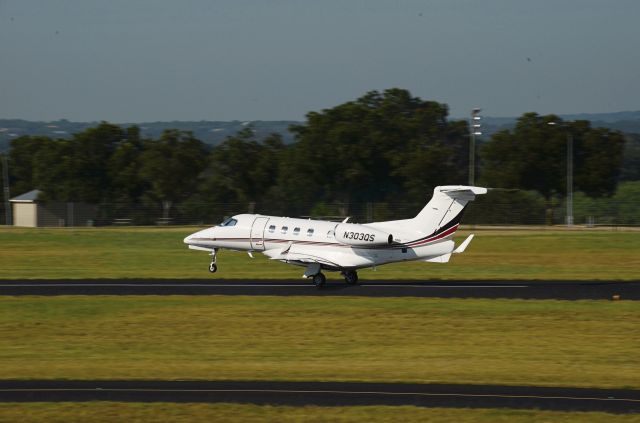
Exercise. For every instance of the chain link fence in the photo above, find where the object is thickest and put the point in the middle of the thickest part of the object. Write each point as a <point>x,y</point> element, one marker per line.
<point>486,210</point>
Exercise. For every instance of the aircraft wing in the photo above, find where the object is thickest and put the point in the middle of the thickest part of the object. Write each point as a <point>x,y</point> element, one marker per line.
<point>338,256</point>
<point>199,248</point>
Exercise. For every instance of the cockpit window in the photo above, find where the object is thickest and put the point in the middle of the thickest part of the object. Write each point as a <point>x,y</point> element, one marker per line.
<point>229,222</point>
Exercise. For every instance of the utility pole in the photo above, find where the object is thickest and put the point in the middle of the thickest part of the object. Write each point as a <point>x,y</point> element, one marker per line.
<point>5,179</point>
<point>569,134</point>
<point>569,178</point>
<point>474,129</point>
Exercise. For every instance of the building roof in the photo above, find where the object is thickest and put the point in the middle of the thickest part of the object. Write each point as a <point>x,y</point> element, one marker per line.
<point>27,197</point>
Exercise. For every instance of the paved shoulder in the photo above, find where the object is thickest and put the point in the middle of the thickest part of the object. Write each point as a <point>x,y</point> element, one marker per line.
<point>326,393</point>
<point>562,290</point>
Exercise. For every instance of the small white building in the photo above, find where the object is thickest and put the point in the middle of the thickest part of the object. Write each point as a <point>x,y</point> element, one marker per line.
<point>28,211</point>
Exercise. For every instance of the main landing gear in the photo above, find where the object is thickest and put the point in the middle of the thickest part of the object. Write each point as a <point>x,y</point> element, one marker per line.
<point>213,267</point>
<point>319,280</point>
<point>314,271</point>
<point>350,276</point>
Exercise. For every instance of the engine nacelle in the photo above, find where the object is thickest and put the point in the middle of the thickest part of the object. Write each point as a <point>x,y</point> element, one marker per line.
<point>361,235</point>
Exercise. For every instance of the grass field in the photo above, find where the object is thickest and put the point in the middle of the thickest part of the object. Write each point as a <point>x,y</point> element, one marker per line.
<point>519,342</point>
<point>125,412</point>
<point>559,343</point>
<point>159,253</point>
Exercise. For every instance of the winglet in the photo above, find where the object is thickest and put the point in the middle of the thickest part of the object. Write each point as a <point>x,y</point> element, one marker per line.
<point>464,245</point>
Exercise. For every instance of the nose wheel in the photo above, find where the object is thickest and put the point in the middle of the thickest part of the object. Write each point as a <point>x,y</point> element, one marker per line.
<point>213,268</point>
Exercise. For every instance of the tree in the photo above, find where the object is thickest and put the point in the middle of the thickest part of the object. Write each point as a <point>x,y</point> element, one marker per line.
<point>172,166</point>
<point>5,184</point>
<point>22,162</point>
<point>599,160</point>
<point>631,162</point>
<point>127,186</point>
<point>373,149</point>
<point>240,170</point>
<point>52,170</point>
<point>88,162</point>
<point>533,155</point>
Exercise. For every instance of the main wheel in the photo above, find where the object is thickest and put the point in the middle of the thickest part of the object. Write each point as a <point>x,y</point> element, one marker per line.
<point>351,277</point>
<point>213,268</point>
<point>319,280</point>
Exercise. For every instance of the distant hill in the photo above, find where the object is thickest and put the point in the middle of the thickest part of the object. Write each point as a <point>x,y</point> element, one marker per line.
<point>213,132</point>
<point>627,122</point>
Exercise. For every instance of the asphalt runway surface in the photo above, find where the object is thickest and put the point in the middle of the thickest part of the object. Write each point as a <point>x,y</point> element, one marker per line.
<point>328,393</point>
<point>325,394</point>
<point>560,290</point>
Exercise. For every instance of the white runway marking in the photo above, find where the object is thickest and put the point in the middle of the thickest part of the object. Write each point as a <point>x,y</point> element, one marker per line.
<point>309,285</point>
<point>341,392</point>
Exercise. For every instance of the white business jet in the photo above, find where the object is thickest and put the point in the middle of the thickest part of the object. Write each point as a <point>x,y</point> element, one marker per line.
<point>341,246</point>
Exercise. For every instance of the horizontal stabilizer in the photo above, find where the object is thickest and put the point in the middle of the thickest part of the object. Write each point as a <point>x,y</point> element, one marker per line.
<point>464,245</point>
<point>439,259</point>
<point>467,193</point>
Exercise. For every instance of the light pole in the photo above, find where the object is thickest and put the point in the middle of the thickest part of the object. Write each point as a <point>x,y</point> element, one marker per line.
<point>569,178</point>
<point>569,173</point>
<point>5,179</point>
<point>474,129</point>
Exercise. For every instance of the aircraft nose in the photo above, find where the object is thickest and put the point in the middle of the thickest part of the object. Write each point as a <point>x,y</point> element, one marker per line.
<point>191,239</point>
<point>200,237</point>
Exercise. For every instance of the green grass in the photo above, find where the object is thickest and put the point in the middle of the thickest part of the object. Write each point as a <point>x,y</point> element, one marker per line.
<point>160,253</point>
<point>519,342</point>
<point>121,412</point>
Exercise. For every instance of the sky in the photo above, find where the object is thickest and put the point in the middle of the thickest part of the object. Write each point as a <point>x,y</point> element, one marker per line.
<point>152,60</point>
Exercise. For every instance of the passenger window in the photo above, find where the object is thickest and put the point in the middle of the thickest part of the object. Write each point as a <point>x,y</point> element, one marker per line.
<point>296,231</point>
<point>330,234</point>
<point>272,228</point>
<point>284,229</point>
<point>309,231</point>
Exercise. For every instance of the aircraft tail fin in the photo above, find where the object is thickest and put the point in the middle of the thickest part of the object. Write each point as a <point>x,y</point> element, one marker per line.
<point>444,211</point>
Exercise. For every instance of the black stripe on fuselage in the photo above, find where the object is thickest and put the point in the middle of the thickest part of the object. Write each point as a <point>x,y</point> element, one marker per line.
<point>453,222</point>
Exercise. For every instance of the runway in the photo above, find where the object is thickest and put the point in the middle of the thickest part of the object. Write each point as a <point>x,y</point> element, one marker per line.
<point>560,290</point>
<point>325,394</point>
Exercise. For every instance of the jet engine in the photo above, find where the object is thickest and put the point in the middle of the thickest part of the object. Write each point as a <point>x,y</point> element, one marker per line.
<point>361,235</point>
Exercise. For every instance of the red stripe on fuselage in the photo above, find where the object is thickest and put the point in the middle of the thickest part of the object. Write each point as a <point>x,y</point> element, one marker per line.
<point>433,238</point>
<point>411,244</point>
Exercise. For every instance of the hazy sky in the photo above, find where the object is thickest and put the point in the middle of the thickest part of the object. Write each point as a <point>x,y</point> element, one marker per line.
<point>147,60</point>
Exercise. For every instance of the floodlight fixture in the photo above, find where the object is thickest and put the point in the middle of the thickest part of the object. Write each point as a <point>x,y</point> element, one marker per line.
<point>474,130</point>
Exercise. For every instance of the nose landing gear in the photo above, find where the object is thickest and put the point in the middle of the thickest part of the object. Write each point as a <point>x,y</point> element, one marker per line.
<point>213,268</point>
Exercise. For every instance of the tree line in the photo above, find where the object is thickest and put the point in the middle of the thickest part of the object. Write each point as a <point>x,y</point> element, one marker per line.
<point>383,148</point>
